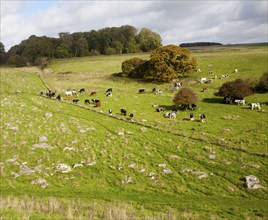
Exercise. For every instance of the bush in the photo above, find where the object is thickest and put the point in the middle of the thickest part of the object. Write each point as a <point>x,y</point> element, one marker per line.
<point>132,67</point>
<point>184,98</point>
<point>263,83</point>
<point>237,89</point>
<point>170,62</point>
<point>110,51</point>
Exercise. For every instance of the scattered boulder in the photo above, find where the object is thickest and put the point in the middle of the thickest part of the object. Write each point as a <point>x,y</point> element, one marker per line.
<point>162,165</point>
<point>92,163</point>
<point>68,148</point>
<point>127,180</point>
<point>25,170</point>
<point>252,182</point>
<point>143,129</point>
<point>63,168</point>
<point>167,171</point>
<point>48,115</point>
<point>121,133</point>
<point>42,139</point>
<point>41,182</point>
<point>212,156</point>
<point>41,145</point>
<point>78,165</point>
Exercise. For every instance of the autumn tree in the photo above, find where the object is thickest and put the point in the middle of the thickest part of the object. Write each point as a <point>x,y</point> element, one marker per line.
<point>184,98</point>
<point>132,67</point>
<point>169,62</point>
<point>237,89</point>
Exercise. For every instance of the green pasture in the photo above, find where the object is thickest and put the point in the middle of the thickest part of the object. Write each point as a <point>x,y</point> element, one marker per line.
<point>138,168</point>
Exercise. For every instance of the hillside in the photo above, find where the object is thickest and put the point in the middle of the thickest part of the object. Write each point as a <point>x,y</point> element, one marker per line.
<point>67,161</point>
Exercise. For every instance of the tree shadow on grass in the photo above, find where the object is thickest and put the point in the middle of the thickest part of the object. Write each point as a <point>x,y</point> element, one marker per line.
<point>214,100</point>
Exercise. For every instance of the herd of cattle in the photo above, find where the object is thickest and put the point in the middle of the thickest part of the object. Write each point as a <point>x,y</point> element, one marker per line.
<point>73,95</point>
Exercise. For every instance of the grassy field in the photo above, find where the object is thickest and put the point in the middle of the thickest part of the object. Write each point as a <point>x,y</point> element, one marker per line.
<point>149,167</point>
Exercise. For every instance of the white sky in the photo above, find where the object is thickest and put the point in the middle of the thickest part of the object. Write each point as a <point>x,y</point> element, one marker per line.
<point>177,21</point>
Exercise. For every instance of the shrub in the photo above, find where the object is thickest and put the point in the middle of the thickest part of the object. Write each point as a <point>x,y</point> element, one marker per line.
<point>132,67</point>
<point>237,89</point>
<point>262,86</point>
<point>184,98</point>
<point>170,62</point>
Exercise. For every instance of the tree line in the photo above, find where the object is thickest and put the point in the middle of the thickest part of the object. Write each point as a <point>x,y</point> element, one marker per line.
<point>107,41</point>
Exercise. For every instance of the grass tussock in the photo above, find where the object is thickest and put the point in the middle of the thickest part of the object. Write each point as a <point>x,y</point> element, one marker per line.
<point>53,208</point>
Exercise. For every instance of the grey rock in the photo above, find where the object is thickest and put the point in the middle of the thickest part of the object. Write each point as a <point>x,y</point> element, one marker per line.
<point>252,182</point>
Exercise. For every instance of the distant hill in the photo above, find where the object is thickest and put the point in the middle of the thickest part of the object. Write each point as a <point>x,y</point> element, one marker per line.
<point>194,44</point>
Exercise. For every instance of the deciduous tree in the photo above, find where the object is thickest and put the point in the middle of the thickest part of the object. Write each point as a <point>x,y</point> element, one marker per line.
<point>185,97</point>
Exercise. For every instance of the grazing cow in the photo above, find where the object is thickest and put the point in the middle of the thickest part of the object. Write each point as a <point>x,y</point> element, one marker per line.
<point>95,100</point>
<point>18,91</point>
<point>123,111</point>
<point>198,70</point>
<point>160,109</point>
<point>177,85</point>
<point>109,94</point>
<point>203,80</point>
<point>98,104</point>
<point>172,114</point>
<point>87,101</point>
<point>236,70</point>
<point>50,94</point>
<point>110,112</point>
<point>210,73</point>
<point>202,117</point>
<point>69,97</point>
<point>191,116</point>
<point>93,93</point>
<point>158,91</point>
<point>58,98</point>
<point>109,90</point>
<point>193,106</point>
<point>240,101</point>
<point>41,93</point>
<point>75,101</point>
<point>131,115</point>
<point>68,93</point>
<point>224,76</point>
<point>82,90</point>
<point>142,91</point>
<point>255,105</point>
<point>74,92</point>
<point>209,81</point>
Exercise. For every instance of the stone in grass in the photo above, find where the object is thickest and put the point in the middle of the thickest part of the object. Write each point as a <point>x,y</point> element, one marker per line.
<point>127,180</point>
<point>25,170</point>
<point>63,168</point>
<point>252,182</point>
<point>121,133</point>
<point>41,145</point>
<point>42,139</point>
<point>48,115</point>
<point>41,182</point>
<point>167,171</point>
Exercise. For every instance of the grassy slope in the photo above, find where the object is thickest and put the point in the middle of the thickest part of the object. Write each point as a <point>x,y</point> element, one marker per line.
<point>237,142</point>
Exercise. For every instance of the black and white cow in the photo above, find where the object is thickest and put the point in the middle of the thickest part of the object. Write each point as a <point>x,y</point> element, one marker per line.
<point>255,105</point>
<point>75,101</point>
<point>202,117</point>
<point>240,101</point>
<point>123,111</point>
<point>172,114</point>
<point>82,91</point>
<point>142,91</point>
<point>131,115</point>
<point>87,101</point>
<point>110,112</point>
<point>58,98</point>
<point>160,109</point>
<point>191,116</point>
<point>109,94</point>
<point>158,91</point>
<point>177,85</point>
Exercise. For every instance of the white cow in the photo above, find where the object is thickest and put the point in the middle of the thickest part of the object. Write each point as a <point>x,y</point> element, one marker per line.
<point>198,70</point>
<point>236,70</point>
<point>240,101</point>
<point>255,105</point>
<point>158,91</point>
<point>203,80</point>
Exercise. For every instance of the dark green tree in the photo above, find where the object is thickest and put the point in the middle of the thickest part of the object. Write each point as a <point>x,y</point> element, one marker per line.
<point>148,40</point>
